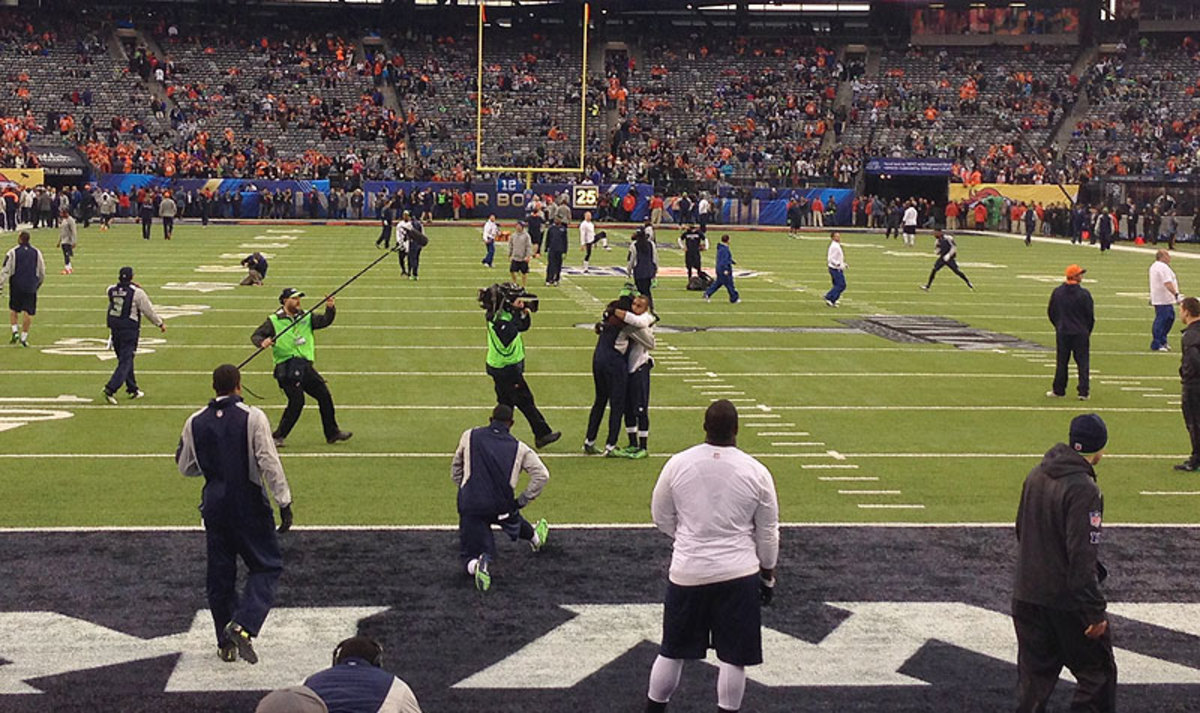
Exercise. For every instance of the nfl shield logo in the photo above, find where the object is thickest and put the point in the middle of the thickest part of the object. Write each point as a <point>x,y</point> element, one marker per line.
<point>1094,517</point>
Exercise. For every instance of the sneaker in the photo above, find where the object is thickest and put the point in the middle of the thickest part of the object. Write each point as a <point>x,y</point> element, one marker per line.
<point>831,303</point>
<point>15,338</point>
<point>112,399</point>
<point>1186,467</point>
<point>925,287</point>
<point>542,531</point>
<point>707,298</point>
<point>616,453</point>
<point>483,578</point>
<point>1083,397</point>
<point>227,652</point>
<point>547,439</point>
<point>635,453</point>
<point>25,343</point>
<point>1052,395</point>
<point>339,436</point>
<point>241,640</point>
<point>970,287</point>
<point>136,394</point>
<point>591,449</point>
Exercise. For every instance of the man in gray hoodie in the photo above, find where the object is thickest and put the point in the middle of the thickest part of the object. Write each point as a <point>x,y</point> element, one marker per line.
<point>1058,608</point>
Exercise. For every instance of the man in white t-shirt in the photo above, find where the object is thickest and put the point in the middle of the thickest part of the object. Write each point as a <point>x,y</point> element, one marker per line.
<point>836,261</point>
<point>719,506</point>
<point>1164,294</point>
<point>909,222</point>
<point>491,231</point>
<point>587,238</point>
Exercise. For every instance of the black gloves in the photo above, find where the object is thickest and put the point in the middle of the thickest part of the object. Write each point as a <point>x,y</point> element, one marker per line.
<point>766,590</point>
<point>285,518</point>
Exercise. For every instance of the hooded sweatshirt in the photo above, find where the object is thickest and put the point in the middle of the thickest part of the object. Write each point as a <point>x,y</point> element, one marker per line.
<point>1058,535</point>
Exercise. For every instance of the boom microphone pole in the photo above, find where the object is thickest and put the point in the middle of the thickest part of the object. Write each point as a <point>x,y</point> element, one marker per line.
<point>341,287</point>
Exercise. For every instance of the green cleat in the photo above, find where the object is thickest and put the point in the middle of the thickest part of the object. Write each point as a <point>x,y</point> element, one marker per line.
<point>15,338</point>
<point>241,641</point>
<point>637,453</point>
<point>617,453</point>
<point>483,578</point>
<point>228,652</point>
<point>541,531</point>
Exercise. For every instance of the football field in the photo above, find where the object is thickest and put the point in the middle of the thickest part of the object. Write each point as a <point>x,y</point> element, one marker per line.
<point>899,406</point>
<point>898,426</point>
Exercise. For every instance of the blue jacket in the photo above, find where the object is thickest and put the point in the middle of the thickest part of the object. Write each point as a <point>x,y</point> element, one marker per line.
<point>486,467</point>
<point>23,268</point>
<point>355,686</point>
<point>724,257</point>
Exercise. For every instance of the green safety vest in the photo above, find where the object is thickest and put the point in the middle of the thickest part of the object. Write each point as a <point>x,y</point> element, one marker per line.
<point>298,342</point>
<point>500,356</point>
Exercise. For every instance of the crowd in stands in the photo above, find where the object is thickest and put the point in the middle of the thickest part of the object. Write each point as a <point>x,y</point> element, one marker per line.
<point>211,94</point>
<point>1144,112</point>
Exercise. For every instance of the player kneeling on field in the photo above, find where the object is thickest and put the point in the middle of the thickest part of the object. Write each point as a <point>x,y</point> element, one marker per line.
<point>485,468</point>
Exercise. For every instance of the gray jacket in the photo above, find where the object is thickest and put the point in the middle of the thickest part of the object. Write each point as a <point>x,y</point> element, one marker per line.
<point>520,246</point>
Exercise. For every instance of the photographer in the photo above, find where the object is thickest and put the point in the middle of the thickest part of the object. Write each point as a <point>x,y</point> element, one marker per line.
<point>256,266</point>
<point>507,317</point>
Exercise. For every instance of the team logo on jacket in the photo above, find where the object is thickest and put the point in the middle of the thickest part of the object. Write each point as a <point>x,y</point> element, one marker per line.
<point>1094,518</point>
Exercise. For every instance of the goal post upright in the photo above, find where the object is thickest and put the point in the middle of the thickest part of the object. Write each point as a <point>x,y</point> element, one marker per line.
<point>529,171</point>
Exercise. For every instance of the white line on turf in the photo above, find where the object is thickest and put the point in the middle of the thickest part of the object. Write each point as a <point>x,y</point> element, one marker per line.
<point>830,466</point>
<point>584,526</point>
<point>824,454</point>
<point>657,407</point>
<point>848,478</point>
<point>885,506</point>
<point>1170,492</point>
<point>797,443</point>
<point>868,492</point>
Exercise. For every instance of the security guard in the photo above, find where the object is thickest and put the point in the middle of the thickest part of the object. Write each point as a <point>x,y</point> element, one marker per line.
<point>506,366</point>
<point>127,304</point>
<point>294,353</point>
<point>229,443</point>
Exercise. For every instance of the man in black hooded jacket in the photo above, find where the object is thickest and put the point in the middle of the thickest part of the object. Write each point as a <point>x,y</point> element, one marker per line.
<point>1058,608</point>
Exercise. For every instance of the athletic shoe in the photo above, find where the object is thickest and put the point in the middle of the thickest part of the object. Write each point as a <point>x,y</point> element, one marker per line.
<point>616,453</point>
<point>591,449</point>
<point>227,652</point>
<point>241,640</point>
<point>970,287</point>
<point>1186,467</point>
<point>925,287</point>
<point>542,531</point>
<point>635,453</point>
<point>483,578</point>
<point>547,439</point>
<point>1052,395</point>
<point>15,338</point>
<point>279,441</point>
<point>25,343</point>
<point>338,437</point>
<point>136,394</point>
<point>1083,397</point>
<point>831,303</point>
<point>111,398</point>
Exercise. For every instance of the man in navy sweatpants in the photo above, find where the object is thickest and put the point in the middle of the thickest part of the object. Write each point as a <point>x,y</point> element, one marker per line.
<point>230,444</point>
<point>725,265</point>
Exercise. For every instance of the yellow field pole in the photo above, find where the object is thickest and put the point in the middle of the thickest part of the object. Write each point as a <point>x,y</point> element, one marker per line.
<point>583,89</point>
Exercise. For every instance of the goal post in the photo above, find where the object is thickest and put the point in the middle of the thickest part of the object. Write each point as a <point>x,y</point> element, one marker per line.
<point>485,166</point>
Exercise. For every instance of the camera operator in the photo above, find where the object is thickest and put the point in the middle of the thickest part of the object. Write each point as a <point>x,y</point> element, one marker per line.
<point>508,316</point>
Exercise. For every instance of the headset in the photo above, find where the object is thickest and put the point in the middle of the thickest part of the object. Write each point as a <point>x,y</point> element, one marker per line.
<point>362,647</point>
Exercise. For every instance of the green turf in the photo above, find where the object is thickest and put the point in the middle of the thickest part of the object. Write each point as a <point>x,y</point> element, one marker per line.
<point>952,430</point>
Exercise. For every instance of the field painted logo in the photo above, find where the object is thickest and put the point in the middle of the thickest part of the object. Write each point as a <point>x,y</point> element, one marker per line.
<point>97,347</point>
<point>295,644</point>
<point>867,649</point>
<point>173,311</point>
<point>24,411</point>
<point>219,268</point>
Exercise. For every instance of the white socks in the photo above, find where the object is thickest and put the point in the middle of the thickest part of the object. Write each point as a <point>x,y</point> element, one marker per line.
<point>731,686</point>
<point>664,678</point>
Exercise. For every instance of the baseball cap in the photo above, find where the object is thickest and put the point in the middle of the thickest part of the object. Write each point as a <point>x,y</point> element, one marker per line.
<point>1088,433</point>
<point>1074,272</point>
<point>125,274</point>
<point>289,292</point>
<point>294,699</point>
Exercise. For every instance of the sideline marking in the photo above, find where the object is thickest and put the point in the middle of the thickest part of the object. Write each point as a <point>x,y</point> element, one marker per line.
<point>1170,492</point>
<point>68,529</point>
<point>848,478</point>
<point>868,492</point>
<point>828,466</point>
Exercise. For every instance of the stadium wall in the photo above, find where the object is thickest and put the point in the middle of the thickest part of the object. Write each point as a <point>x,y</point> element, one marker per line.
<point>760,206</point>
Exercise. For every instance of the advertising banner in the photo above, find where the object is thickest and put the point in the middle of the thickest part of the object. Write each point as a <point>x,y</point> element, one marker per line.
<point>1017,193</point>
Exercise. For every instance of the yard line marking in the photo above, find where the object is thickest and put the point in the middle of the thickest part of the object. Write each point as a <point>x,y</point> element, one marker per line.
<point>1141,388</point>
<point>868,492</point>
<point>723,393</point>
<point>835,455</point>
<point>847,478</point>
<point>882,506</point>
<point>783,433</point>
<point>829,466</point>
<point>797,443</point>
<point>578,526</point>
<point>761,415</point>
<point>61,399</point>
<point>1170,492</point>
<point>768,425</point>
<point>797,374</point>
<point>742,401</point>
